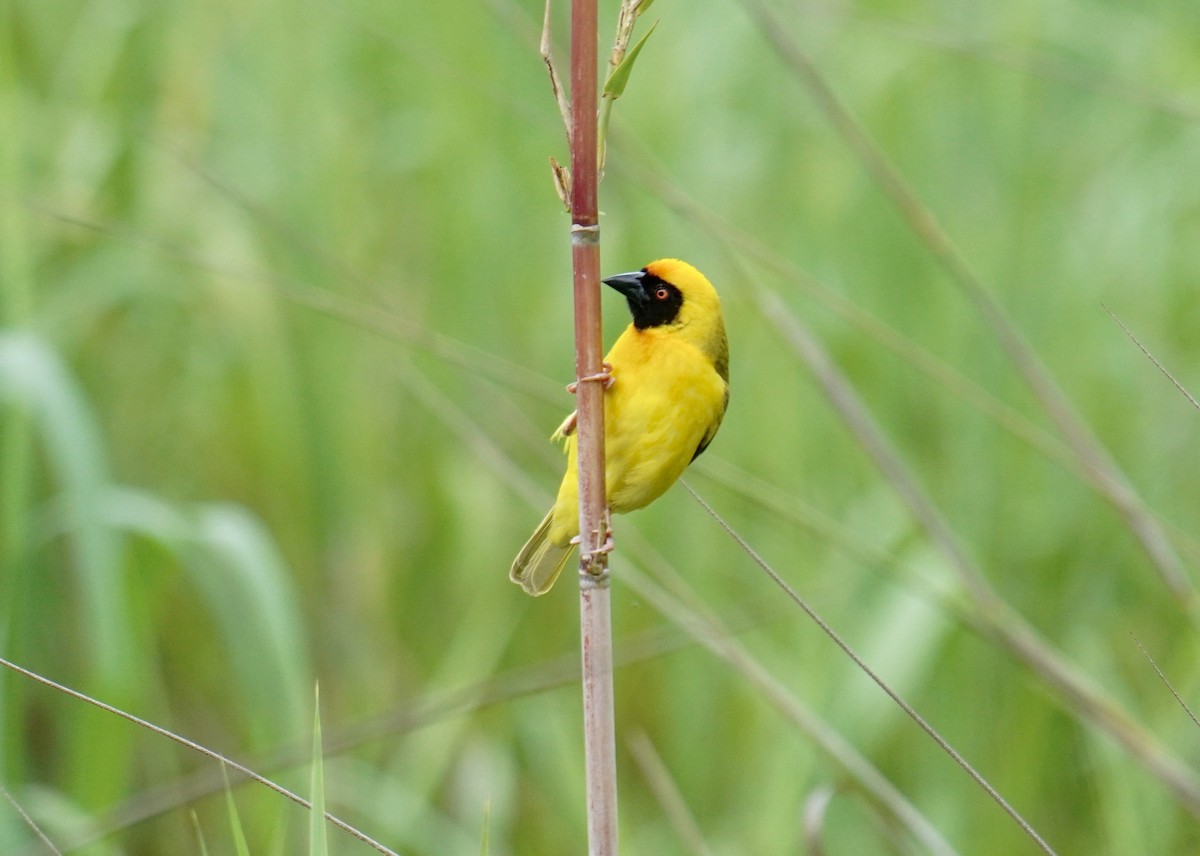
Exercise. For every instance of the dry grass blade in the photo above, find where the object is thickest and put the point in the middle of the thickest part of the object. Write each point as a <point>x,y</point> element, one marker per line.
<point>871,438</point>
<point>545,47</point>
<point>1179,386</point>
<point>1112,483</point>
<point>793,510</point>
<point>908,709</point>
<point>991,615</point>
<point>1167,683</point>
<point>196,747</point>
<point>667,793</point>
<point>562,182</point>
<point>699,622</point>
<point>813,818</point>
<point>30,822</point>
<point>463,426</point>
<point>502,689</point>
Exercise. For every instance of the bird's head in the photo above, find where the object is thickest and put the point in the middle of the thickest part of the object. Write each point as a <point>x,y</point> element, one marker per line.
<point>668,293</point>
<point>673,298</point>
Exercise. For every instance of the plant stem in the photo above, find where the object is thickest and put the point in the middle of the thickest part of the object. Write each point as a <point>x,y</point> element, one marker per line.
<point>594,600</point>
<point>626,18</point>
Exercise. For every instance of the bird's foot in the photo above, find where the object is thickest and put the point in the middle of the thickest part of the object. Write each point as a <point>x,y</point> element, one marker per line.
<point>608,545</point>
<point>604,376</point>
<point>602,550</point>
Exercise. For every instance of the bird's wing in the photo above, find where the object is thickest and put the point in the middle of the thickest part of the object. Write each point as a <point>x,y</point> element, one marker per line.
<point>712,429</point>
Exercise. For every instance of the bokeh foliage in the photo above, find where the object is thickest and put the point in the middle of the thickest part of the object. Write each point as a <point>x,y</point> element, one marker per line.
<point>286,310</point>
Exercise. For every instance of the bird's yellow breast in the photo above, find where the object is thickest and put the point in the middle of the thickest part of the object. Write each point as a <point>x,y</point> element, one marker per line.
<point>667,400</point>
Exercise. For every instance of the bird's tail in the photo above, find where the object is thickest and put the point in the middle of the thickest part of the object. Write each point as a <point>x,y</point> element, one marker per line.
<point>540,561</point>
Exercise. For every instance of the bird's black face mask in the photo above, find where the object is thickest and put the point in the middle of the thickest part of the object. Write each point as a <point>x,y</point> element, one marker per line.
<point>652,301</point>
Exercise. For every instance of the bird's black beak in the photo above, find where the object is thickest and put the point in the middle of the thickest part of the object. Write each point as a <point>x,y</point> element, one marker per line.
<point>629,284</point>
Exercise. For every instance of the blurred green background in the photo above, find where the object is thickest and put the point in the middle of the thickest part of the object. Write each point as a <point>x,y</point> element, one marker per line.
<point>285,305</point>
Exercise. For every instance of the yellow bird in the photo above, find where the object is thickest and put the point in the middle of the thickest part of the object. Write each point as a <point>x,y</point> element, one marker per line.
<point>667,395</point>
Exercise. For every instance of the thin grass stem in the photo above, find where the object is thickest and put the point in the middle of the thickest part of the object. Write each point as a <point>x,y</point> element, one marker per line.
<point>991,615</point>
<point>667,792</point>
<point>1166,682</point>
<point>28,820</point>
<point>1179,386</point>
<point>689,613</point>
<point>196,747</point>
<point>925,226</point>
<point>862,665</point>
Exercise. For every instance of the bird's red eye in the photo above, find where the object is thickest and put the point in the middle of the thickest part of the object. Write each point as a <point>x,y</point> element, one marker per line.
<point>661,293</point>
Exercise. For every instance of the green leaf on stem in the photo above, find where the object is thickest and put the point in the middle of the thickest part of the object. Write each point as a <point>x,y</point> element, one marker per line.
<point>619,79</point>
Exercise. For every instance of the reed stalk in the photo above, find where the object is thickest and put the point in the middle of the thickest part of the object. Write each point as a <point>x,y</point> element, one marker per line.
<point>594,594</point>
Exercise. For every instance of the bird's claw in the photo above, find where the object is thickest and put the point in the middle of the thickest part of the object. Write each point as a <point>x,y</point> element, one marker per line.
<point>605,376</point>
<point>604,549</point>
<point>607,547</point>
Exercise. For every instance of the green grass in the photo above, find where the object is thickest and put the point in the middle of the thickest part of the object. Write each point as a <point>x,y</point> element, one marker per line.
<point>318,840</point>
<point>286,313</point>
